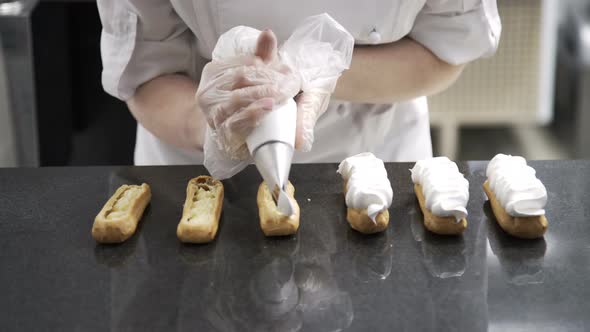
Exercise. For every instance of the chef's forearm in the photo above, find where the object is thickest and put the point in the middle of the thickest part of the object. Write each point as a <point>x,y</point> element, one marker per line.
<point>166,106</point>
<point>394,72</point>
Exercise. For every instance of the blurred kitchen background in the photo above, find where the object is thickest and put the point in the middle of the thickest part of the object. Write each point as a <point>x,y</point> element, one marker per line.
<point>531,99</point>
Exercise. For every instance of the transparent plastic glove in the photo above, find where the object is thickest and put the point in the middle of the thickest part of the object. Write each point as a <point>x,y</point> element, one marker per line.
<point>319,50</point>
<point>237,90</point>
<point>311,105</point>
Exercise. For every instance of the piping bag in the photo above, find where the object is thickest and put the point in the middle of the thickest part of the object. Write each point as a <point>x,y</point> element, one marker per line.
<point>318,50</point>
<point>271,145</point>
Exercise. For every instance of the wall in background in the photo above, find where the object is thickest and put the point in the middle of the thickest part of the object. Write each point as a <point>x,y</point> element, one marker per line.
<point>7,143</point>
<point>79,124</point>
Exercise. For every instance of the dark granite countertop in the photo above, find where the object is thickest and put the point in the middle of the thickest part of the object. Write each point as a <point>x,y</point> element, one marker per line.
<point>327,277</point>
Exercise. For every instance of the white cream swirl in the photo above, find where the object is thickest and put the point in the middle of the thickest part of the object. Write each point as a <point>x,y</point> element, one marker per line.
<point>516,186</point>
<point>445,190</point>
<point>368,185</point>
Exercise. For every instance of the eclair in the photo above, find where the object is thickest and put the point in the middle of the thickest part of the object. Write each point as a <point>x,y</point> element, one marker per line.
<point>443,193</point>
<point>272,221</point>
<point>118,219</point>
<point>517,196</point>
<point>201,211</point>
<point>367,191</point>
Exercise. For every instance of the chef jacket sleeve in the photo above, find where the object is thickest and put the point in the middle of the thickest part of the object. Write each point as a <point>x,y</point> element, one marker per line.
<point>458,31</point>
<point>141,40</point>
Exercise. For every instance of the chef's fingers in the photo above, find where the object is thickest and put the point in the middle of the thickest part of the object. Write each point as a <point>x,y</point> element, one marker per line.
<point>242,71</point>
<point>241,124</point>
<point>256,75</point>
<point>276,86</point>
<point>220,105</point>
<point>266,46</point>
<point>240,98</point>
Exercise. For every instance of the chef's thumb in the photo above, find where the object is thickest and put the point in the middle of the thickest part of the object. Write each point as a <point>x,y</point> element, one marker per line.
<point>266,46</point>
<point>310,106</point>
<point>306,118</point>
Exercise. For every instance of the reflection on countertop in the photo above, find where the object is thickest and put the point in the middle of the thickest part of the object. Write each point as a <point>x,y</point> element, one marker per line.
<point>521,260</point>
<point>443,256</point>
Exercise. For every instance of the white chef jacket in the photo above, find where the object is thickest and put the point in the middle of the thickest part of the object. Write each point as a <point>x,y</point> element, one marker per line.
<point>143,39</point>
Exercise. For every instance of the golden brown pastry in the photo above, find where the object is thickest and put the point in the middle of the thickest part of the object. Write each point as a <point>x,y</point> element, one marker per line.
<point>517,196</point>
<point>118,219</point>
<point>436,224</point>
<point>273,222</point>
<point>201,211</point>
<point>360,221</point>
<point>523,227</point>
<point>443,194</point>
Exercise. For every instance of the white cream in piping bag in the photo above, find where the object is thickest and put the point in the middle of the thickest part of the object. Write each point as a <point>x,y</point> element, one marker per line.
<point>368,185</point>
<point>516,186</point>
<point>445,190</point>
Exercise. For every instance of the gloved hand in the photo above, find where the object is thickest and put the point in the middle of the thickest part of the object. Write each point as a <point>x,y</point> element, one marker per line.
<point>235,93</point>
<point>319,50</point>
<point>311,104</point>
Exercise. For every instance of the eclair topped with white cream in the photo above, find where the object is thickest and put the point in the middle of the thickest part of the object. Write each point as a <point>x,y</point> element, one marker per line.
<point>516,186</point>
<point>367,184</point>
<point>445,189</point>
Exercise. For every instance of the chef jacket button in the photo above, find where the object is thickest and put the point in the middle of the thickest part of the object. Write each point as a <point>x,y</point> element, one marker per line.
<point>374,37</point>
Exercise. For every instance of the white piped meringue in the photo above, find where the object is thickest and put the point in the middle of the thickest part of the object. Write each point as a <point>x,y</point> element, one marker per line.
<point>368,185</point>
<point>445,190</point>
<point>516,186</point>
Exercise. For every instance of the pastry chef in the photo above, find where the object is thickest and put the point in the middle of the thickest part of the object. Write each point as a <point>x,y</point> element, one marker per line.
<point>154,52</point>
